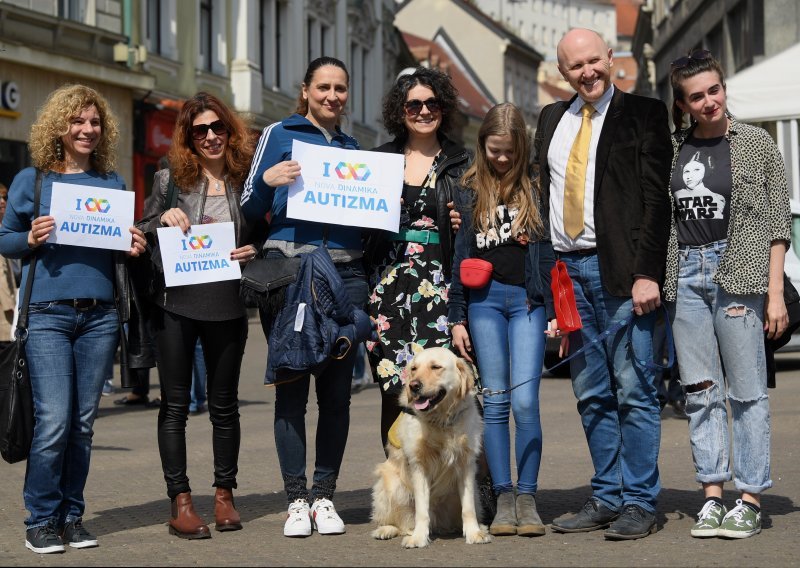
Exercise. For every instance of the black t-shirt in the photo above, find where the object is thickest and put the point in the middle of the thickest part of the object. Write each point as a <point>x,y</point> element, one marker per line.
<point>701,187</point>
<point>498,246</point>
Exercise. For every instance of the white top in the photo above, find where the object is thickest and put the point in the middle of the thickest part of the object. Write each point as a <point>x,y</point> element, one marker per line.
<point>557,157</point>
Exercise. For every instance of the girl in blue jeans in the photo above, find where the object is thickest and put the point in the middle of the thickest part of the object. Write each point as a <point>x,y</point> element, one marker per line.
<point>724,282</point>
<point>503,222</point>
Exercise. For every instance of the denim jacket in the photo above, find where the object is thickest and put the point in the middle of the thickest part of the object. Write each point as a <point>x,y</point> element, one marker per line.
<point>760,212</point>
<point>538,262</point>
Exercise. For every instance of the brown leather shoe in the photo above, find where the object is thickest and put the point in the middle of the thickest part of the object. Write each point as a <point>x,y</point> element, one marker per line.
<point>184,521</point>
<point>225,514</point>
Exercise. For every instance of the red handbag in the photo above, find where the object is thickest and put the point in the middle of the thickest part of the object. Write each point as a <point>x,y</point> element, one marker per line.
<point>475,272</point>
<point>564,298</point>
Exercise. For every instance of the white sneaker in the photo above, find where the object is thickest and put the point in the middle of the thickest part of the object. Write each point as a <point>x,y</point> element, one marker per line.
<point>298,519</point>
<point>325,518</point>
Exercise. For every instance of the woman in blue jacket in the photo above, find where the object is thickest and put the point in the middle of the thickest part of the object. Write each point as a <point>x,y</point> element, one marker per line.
<point>320,105</point>
<point>73,327</point>
<point>503,223</point>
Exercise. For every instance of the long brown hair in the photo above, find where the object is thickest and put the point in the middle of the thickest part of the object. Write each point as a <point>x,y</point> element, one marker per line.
<point>515,188</point>
<point>183,159</point>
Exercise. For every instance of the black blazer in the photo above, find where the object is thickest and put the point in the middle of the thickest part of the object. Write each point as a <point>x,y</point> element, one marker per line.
<point>631,204</point>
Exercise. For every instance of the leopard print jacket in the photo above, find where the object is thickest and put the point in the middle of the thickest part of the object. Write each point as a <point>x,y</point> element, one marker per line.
<point>760,212</point>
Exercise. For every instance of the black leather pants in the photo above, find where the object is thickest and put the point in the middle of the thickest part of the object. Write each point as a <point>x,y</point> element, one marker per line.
<point>223,347</point>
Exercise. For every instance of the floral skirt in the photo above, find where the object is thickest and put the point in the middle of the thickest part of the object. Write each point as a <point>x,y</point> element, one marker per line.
<point>409,302</point>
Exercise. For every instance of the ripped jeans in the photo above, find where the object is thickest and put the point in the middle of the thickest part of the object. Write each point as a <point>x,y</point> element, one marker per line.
<point>719,340</point>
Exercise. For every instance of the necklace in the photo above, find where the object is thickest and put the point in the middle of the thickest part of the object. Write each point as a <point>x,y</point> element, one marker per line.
<point>218,187</point>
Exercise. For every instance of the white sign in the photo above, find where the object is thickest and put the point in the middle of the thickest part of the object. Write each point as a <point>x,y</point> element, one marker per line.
<point>346,187</point>
<point>87,216</point>
<point>201,255</point>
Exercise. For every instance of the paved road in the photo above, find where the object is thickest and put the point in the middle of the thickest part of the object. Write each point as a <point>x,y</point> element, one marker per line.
<point>128,508</point>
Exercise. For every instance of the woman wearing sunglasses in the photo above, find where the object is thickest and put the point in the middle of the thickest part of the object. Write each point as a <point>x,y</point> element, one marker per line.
<point>724,280</point>
<point>209,159</point>
<point>320,106</point>
<point>411,270</point>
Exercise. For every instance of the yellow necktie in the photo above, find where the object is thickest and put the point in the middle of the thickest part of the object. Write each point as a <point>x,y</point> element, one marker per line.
<point>575,178</point>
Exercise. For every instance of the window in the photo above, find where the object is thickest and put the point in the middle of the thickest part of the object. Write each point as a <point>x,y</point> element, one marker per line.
<point>72,10</point>
<point>358,81</point>
<point>319,37</point>
<point>206,35</point>
<point>153,26</point>
<point>273,37</point>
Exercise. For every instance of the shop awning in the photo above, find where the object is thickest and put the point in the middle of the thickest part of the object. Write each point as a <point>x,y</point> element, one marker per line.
<point>769,90</point>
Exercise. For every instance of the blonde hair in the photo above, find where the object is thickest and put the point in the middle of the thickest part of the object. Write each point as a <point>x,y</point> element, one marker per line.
<point>515,188</point>
<point>53,121</point>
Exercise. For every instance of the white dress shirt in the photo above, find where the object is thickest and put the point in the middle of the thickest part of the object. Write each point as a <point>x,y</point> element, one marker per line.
<point>557,157</point>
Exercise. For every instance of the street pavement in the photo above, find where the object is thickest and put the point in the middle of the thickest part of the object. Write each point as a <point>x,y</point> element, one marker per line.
<point>127,507</point>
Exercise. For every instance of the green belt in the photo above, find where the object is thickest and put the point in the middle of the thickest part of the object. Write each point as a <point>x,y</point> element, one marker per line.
<point>413,236</point>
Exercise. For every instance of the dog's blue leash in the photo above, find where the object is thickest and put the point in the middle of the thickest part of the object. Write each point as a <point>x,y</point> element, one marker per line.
<point>612,331</point>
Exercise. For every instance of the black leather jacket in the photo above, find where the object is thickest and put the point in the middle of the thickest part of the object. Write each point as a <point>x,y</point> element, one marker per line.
<point>452,165</point>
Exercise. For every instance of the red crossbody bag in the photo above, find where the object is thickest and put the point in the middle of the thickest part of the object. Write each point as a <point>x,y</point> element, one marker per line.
<point>564,298</point>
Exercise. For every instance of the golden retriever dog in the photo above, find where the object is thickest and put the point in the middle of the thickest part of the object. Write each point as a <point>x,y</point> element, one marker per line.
<point>428,482</point>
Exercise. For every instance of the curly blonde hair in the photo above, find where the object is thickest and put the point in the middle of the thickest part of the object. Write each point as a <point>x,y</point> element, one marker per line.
<point>53,120</point>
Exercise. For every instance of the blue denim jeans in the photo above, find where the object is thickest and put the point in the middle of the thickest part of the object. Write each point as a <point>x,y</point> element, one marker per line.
<point>509,343</point>
<point>617,398</point>
<point>70,353</point>
<point>719,339</point>
<point>333,401</point>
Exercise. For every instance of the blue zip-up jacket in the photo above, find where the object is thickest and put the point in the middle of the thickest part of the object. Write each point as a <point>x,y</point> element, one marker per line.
<point>258,199</point>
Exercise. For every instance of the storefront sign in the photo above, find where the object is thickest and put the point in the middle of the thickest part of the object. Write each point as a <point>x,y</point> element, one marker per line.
<point>9,99</point>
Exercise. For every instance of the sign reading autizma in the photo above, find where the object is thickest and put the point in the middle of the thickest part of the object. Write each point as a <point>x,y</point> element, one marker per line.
<point>96,217</point>
<point>346,187</point>
<point>201,255</point>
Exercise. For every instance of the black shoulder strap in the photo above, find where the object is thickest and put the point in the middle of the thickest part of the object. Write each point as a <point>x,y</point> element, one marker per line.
<point>172,192</point>
<point>22,322</point>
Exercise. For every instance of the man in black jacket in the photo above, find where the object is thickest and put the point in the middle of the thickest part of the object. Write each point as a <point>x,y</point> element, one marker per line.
<point>604,160</point>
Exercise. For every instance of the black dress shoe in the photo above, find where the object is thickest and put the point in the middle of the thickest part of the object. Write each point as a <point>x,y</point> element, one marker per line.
<point>592,517</point>
<point>633,523</point>
<point>125,401</point>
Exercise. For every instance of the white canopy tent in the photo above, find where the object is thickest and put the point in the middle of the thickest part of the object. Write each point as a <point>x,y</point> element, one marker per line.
<point>770,92</point>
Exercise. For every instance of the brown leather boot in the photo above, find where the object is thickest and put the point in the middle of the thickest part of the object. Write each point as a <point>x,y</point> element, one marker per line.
<point>225,514</point>
<point>184,521</point>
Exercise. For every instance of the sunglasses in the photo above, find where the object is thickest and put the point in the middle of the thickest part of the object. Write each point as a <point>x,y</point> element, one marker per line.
<point>696,55</point>
<point>414,106</point>
<point>200,131</point>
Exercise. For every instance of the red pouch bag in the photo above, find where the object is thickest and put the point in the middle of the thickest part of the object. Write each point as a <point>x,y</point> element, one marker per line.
<point>564,298</point>
<point>475,272</point>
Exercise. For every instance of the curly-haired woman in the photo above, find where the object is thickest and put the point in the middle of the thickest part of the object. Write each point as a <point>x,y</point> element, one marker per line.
<point>73,321</point>
<point>209,160</point>
<point>411,272</point>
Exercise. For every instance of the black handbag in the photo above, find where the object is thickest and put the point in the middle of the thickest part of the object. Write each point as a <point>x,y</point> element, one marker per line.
<point>792,300</point>
<point>264,281</point>
<point>16,396</point>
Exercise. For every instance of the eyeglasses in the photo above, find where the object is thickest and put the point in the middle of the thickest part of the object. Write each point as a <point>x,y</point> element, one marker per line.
<point>200,131</point>
<point>696,55</point>
<point>414,106</point>
<point>3,197</point>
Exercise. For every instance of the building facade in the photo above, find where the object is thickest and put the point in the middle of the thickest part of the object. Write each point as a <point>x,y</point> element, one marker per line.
<point>148,56</point>
<point>505,64</point>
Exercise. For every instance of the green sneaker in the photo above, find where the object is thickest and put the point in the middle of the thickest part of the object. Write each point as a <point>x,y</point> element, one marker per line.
<point>740,522</point>
<point>708,520</point>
